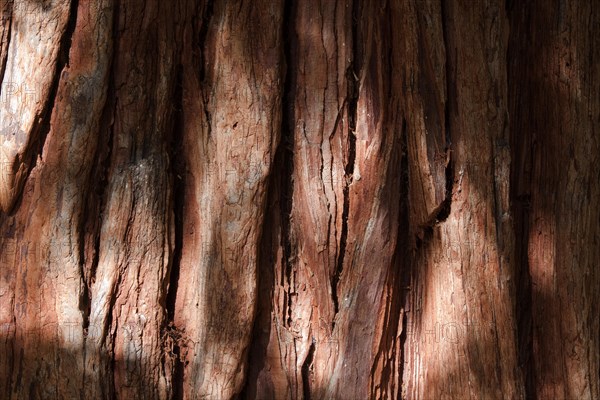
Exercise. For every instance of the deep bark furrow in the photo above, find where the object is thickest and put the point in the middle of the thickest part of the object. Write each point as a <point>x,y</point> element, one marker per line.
<point>402,263</point>
<point>450,97</point>
<point>174,362</point>
<point>286,147</point>
<point>306,366</point>
<point>521,149</point>
<point>352,99</point>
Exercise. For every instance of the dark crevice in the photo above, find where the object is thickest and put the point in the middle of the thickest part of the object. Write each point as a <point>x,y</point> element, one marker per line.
<point>402,255</point>
<point>178,179</point>
<point>85,298</point>
<point>106,168</point>
<point>207,15</point>
<point>403,349</point>
<point>523,286</point>
<point>353,87</point>
<point>442,211</point>
<point>306,365</point>
<point>522,148</point>
<point>286,147</point>
<point>508,5</point>
<point>449,107</point>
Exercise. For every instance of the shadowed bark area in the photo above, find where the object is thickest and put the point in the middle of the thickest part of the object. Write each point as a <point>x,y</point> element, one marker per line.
<point>324,199</point>
<point>555,87</point>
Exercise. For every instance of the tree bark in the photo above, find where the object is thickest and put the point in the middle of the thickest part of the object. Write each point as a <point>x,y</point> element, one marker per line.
<point>327,199</point>
<point>555,142</point>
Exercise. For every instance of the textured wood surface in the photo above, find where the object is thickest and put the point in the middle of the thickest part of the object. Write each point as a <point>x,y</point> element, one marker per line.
<point>555,137</point>
<point>324,199</point>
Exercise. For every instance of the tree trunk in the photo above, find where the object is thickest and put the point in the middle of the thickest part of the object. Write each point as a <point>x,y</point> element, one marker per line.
<point>327,199</point>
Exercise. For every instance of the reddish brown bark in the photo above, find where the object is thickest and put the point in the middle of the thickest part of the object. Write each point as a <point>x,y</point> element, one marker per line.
<point>318,199</point>
<point>555,81</point>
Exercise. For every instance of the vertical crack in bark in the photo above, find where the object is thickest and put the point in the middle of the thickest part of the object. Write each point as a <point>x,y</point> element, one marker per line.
<point>403,259</point>
<point>207,15</point>
<point>444,210</point>
<point>287,150</point>
<point>178,168</point>
<point>352,101</point>
<point>521,151</point>
<point>306,371</point>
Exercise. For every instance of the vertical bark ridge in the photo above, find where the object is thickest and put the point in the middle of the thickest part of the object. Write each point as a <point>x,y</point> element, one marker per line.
<point>367,282</point>
<point>231,131</point>
<point>96,206</point>
<point>310,201</point>
<point>451,328</point>
<point>24,119</point>
<point>50,285</point>
<point>276,251</point>
<point>554,143</point>
<point>128,306</point>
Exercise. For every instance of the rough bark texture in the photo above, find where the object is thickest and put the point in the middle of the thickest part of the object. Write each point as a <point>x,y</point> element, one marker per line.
<point>555,137</point>
<point>461,319</point>
<point>327,199</point>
